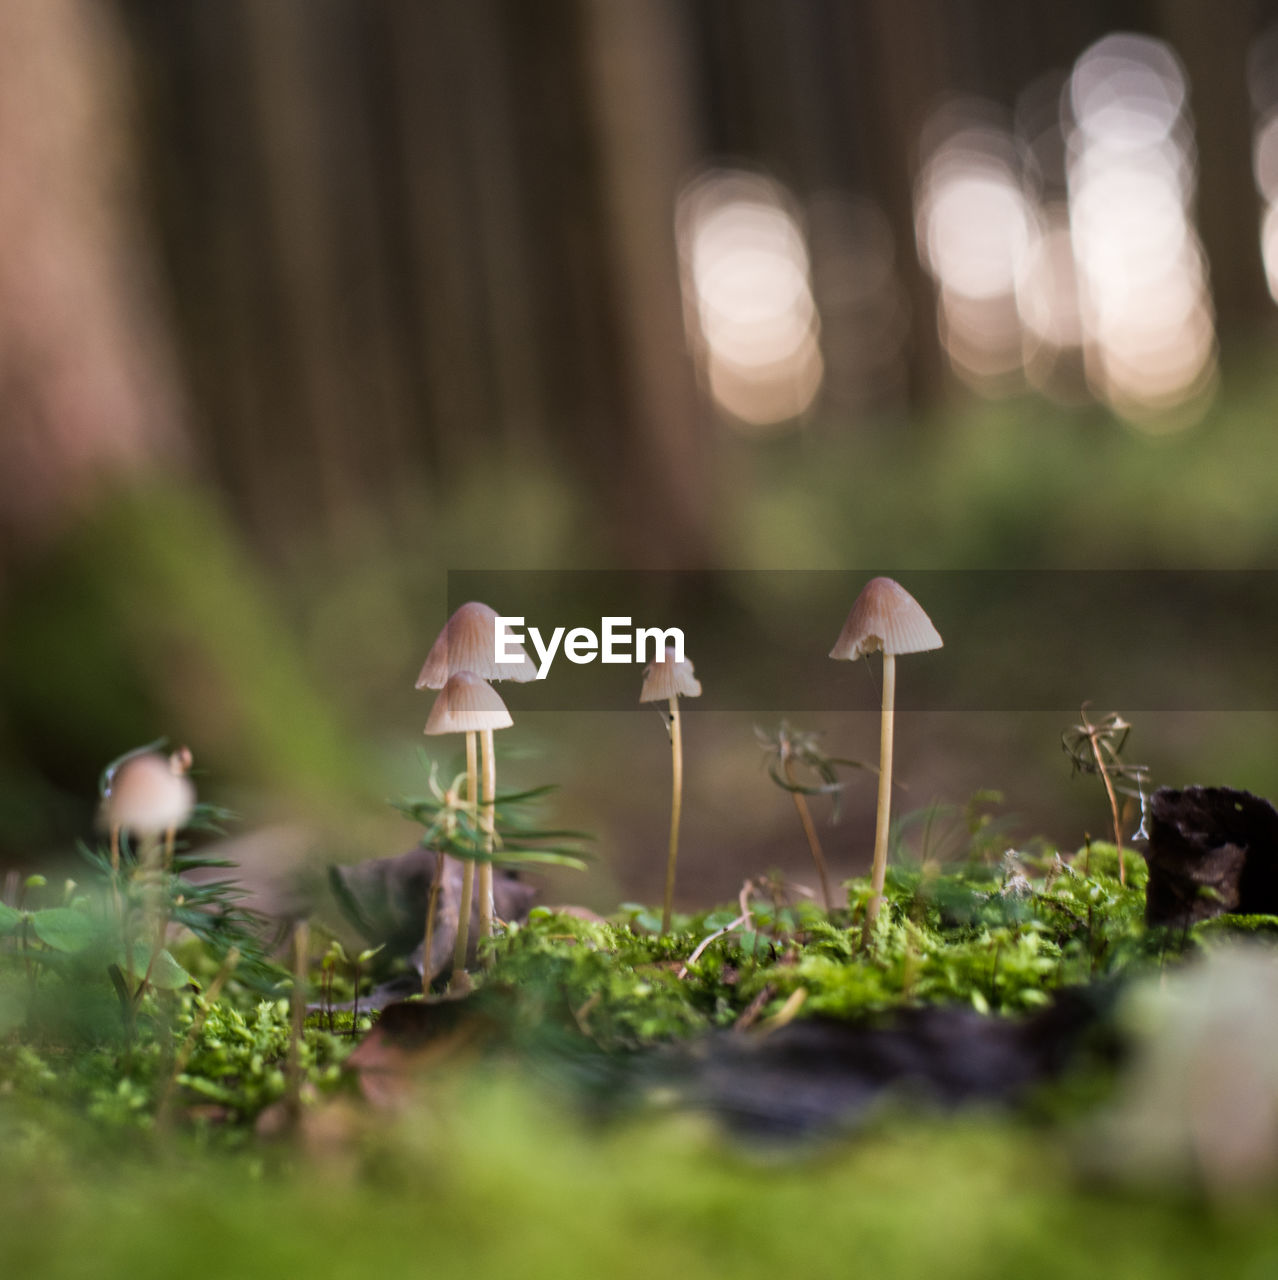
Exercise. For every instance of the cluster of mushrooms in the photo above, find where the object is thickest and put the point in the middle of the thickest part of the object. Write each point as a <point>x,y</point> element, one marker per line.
<point>460,665</point>
<point>150,795</point>
<point>462,662</point>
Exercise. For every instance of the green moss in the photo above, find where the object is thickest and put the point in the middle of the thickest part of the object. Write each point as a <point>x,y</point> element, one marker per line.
<point>999,939</point>
<point>494,1178</point>
<point>484,1178</point>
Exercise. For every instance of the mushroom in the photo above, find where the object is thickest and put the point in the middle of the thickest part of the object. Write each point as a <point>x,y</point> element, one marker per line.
<point>148,795</point>
<point>668,680</point>
<point>466,704</point>
<point>884,616</point>
<point>468,642</point>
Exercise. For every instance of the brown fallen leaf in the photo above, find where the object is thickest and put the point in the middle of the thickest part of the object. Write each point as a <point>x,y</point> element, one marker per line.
<point>411,1038</point>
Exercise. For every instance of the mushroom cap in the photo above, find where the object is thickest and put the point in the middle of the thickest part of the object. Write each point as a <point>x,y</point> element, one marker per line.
<point>666,678</point>
<point>885,616</point>
<point>466,704</point>
<point>468,642</point>
<point>148,796</point>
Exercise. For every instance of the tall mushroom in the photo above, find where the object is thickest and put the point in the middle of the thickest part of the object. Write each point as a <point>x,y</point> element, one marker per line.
<point>466,704</point>
<point>468,642</point>
<point>884,616</point>
<point>666,680</point>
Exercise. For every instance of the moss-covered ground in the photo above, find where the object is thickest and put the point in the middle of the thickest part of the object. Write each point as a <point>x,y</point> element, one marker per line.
<point>488,1162</point>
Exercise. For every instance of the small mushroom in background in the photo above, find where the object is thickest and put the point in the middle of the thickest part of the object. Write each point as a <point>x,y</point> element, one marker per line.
<point>466,704</point>
<point>468,642</point>
<point>884,616</point>
<point>667,680</point>
<point>148,795</point>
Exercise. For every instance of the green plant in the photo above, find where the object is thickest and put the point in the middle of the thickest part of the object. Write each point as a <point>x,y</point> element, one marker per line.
<point>1096,748</point>
<point>449,825</point>
<point>788,746</point>
<point>453,826</point>
<point>111,933</point>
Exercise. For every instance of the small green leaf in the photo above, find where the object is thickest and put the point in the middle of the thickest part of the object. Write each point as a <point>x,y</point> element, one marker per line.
<point>10,920</point>
<point>543,857</point>
<point>63,929</point>
<point>167,974</point>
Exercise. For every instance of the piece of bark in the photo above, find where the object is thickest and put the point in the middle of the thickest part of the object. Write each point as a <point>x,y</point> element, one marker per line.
<point>1211,850</point>
<point>818,1076</point>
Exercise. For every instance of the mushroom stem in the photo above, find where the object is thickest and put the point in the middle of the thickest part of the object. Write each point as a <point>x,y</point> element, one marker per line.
<point>809,830</point>
<point>432,904</point>
<point>468,867</point>
<point>115,870</point>
<point>676,810</point>
<point>297,1022</point>
<point>490,834</point>
<point>884,817</point>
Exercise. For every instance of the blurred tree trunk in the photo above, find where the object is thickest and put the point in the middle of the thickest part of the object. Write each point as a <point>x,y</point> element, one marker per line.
<point>647,147</point>
<point>86,383</point>
<point>1213,42</point>
<point>900,62</point>
<point>417,243</point>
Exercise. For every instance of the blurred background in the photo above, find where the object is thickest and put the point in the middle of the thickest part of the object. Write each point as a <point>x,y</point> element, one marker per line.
<point>304,303</point>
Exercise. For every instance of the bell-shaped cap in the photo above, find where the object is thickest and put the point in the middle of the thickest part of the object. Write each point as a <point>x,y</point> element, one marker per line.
<point>466,704</point>
<point>885,616</point>
<point>149,794</point>
<point>468,642</point>
<point>666,679</point>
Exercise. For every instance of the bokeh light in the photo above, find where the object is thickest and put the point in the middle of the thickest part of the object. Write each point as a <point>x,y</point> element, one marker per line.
<point>748,302</point>
<point>1064,250</point>
<point>1148,324</point>
<point>1262,77</point>
<point>975,228</point>
<point>862,303</point>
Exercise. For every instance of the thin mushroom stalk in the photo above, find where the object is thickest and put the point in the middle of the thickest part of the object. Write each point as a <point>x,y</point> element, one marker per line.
<point>489,822</point>
<point>883,814</point>
<point>468,867</point>
<point>676,811</point>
